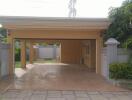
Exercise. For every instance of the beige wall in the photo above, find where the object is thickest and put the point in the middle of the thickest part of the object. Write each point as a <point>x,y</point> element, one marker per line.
<point>93,54</point>
<point>55,34</point>
<point>89,53</point>
<point>71,51</point>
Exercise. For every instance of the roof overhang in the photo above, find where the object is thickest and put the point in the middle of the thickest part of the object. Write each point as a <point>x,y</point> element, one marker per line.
<point>22,22</point>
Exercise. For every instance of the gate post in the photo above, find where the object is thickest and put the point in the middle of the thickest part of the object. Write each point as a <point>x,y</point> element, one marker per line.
<point>111,52</point>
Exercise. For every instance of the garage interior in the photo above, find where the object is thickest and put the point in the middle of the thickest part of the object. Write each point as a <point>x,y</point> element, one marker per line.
<point>77,51</point>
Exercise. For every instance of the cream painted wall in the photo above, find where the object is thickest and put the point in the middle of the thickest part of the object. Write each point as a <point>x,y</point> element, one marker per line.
<point>89,53</point>
<point>71,51</point>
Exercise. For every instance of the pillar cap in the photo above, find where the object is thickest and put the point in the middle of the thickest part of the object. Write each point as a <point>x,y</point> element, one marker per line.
<point>112,41</point>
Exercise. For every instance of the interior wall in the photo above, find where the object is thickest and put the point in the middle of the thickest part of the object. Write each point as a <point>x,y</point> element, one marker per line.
<point>89,53</point>
<point>77,51</point>
<point>52,34</point>
<point>71,51</point>
<point>86,52</point>
<point>93,54</point>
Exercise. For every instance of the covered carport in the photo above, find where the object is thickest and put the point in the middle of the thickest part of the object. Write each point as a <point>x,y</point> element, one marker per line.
<point>80,38</point>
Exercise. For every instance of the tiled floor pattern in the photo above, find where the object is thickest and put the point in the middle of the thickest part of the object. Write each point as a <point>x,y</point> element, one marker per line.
<point>60,77</point>
<point>40,82</point>
<point>64,95</point>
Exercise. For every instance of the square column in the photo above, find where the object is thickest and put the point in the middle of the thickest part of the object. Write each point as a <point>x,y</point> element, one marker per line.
<point>23,53</point>
<point>11,55</point>
<point>98,55</point>
<point>31,52</point>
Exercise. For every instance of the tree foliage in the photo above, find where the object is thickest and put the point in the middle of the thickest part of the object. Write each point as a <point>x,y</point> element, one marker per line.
<point>3,34</point>
<point>121,24</point>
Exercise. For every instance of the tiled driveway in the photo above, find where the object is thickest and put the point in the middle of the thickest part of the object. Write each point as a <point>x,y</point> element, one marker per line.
<point>60,77</point>
<point>64,95</point>
<point>60,82</point>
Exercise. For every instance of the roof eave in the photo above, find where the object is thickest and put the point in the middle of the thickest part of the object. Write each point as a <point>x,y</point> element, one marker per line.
<point>13,22</point>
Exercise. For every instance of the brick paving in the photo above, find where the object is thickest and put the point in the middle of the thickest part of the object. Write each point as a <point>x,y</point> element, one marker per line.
<point>64,95</point>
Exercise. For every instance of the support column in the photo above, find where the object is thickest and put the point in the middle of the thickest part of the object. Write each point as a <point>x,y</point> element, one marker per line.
<point>31,52</point>
<point>11,55</point>
<point>93,54</point>
<point>98,55</point>
<point>23,53</point>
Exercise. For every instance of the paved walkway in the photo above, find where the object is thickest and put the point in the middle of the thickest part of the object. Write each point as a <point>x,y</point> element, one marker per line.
<point>64,95</point>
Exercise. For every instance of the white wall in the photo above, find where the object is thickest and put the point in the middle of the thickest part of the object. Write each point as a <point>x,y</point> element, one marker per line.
<point>4,60</point>
<point>48,52</point>
<point>122,56</point>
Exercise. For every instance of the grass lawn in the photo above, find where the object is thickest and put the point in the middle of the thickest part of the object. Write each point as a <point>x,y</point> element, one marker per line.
<point>18,63</point>
<point>45,61</point>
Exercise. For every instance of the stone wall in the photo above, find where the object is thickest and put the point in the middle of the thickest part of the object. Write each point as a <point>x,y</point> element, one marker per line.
<point>4,59</point>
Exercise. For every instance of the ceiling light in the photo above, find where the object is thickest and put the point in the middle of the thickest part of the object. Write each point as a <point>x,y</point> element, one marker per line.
<point>1,26</point>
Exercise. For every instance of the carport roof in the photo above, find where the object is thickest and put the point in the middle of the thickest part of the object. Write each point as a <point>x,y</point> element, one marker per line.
<point>22,22</point>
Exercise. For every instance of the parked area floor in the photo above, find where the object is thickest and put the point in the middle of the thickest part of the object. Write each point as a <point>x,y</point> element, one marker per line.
<point>59,76</point>
<point>60,82</point>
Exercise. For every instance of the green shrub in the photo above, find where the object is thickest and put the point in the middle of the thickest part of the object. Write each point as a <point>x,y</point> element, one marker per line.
<point>17,54</point>
<point>120,71</point>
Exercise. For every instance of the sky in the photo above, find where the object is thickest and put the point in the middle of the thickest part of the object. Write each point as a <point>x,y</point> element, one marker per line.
<point>57,8</point>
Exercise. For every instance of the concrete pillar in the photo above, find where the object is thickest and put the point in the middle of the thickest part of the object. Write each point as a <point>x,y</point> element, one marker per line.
<point>31,52</point>
<point>98,55</point>
<point>11,55</point>
<point>93,54</point>
<point>111,52</point>
<point>23,53</point>
<point>4,59</point>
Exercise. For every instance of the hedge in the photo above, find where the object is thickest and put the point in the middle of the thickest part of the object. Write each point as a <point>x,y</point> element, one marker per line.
<point>120,71</point>
<point>17,54</point>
